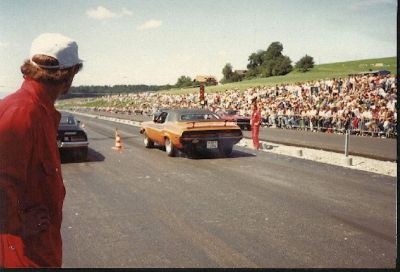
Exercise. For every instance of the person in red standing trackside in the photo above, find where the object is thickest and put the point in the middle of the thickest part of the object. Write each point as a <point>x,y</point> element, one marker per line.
<point>31,186</point>
<point>255,125</point>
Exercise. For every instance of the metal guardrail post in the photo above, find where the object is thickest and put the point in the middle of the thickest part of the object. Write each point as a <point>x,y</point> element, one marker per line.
<point>348,161</point>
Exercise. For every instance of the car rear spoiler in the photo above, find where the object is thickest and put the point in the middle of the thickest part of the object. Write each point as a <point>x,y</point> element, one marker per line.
<point>194,122</point>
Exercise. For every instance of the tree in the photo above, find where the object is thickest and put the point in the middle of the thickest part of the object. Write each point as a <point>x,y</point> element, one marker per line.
<point>230,75</point>
<point>305,64</point>
<point>270,62</point>
<point>184,81</point>
<point>274,51</point>
<point>255,60</point>
<point>227,71</point>
<point>282,66</point>
<point>236,77</point>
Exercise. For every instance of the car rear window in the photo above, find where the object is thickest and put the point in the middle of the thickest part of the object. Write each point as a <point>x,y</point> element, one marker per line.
<point>67,120</point>
<point>199,117</point>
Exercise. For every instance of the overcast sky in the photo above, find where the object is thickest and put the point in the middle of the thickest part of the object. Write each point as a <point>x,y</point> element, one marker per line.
<point>156,41</point>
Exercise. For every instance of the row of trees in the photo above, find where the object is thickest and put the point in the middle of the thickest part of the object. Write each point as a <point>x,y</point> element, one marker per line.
<point>266,63</point>
<point>93,91</point>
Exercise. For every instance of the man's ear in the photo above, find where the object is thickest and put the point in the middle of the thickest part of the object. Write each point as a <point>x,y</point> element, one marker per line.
<point>76,69</point>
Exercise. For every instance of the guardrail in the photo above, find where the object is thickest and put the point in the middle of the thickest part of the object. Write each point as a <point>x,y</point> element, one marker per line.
<point>354,125</point>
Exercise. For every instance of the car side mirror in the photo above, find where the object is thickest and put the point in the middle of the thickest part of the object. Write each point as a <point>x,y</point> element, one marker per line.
<point>78,121</point>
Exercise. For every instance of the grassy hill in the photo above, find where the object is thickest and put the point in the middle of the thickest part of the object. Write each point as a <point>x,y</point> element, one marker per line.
<point>331,70</point>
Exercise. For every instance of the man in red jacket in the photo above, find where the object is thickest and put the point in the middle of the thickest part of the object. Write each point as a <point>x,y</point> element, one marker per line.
<point>255,124</point>
<point>31,186</point>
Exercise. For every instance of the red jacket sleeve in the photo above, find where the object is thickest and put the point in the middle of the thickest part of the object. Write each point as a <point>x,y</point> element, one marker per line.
<point>15,152</point>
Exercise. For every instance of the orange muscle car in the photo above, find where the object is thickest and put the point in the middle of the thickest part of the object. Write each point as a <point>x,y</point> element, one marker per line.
<point>191,130</point>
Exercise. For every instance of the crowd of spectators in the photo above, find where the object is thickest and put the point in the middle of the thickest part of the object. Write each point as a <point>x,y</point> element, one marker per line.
<point>362,104</point>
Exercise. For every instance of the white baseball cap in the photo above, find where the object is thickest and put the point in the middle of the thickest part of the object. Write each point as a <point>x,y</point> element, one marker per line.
<point>58,46</point>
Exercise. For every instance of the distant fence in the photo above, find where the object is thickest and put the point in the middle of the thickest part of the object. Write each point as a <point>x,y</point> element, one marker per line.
<point>356,126</point>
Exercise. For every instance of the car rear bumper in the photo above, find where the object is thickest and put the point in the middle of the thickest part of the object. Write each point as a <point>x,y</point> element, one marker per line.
<point>202,141</point>
<point>202,144</point>
<point>73,144</point>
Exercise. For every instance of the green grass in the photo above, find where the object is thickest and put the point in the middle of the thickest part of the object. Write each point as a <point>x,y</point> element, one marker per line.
<point>322,71</point>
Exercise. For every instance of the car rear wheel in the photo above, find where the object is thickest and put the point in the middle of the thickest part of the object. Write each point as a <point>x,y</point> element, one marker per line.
<point>225,149</point>
<point>147,142</point>
<point>83,153</point>
<point>169,148</point>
